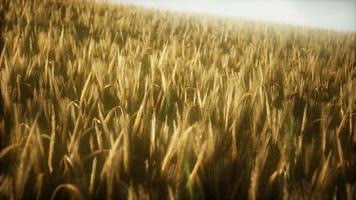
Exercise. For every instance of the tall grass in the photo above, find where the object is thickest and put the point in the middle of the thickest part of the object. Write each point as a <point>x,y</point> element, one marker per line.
<point>103,101</point>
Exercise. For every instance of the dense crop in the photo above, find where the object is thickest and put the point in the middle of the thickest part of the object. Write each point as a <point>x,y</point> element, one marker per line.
<point>103,101</point>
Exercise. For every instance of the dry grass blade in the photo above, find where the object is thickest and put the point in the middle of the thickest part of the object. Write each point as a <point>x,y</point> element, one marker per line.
<point>8,149</point>
<point>153,136</point>
<point>304,121</point>
<point>337,135</point>
<point>92,177</point>
<point>74,191</point>
<point>194,172</point>
<point>51,144</point>
<point>174,144</point>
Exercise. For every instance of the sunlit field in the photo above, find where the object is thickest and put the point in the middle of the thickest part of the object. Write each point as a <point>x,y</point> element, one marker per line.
<point>104,101</point>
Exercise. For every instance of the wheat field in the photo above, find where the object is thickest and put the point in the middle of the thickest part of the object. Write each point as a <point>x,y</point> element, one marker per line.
<point>103,101</point>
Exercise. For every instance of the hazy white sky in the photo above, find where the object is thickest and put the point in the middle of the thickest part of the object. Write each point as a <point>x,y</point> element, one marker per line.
<point>330,14</point>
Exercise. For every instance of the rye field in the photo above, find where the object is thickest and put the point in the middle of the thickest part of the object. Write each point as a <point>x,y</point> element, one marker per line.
<point>110,101</point>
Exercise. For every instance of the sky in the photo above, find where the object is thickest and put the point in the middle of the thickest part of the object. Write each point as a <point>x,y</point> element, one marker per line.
<point>338,15</point>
